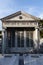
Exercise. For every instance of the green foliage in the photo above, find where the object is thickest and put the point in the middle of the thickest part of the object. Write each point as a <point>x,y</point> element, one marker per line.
<point>41,34</point>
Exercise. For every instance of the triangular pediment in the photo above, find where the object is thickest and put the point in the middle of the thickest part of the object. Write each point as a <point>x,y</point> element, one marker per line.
<point>19,16</point>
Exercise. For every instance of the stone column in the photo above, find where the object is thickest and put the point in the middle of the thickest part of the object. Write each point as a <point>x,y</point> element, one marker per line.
<point>11,39</point>
<point>37,37</point>
<point>5,39</point>
<point>29,39</point>
<point>15,38</point>
<point>3,42</point>
<point>24,38</point>
<point>20,39</point>
<point>38,44</point>
<point>5,36</point>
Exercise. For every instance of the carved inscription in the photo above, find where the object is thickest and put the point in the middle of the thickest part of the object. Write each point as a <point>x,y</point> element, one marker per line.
<point>10,24</point>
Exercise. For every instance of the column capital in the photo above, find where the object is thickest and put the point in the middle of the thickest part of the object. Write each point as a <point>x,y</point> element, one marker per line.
<point>3,30</point>
<point>37,28</point>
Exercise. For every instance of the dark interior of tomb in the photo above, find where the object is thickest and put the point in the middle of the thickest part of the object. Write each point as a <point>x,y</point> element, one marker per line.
<point>20,42</point>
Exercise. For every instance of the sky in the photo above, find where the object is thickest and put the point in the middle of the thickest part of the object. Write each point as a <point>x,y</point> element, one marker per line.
<point>33,7</point>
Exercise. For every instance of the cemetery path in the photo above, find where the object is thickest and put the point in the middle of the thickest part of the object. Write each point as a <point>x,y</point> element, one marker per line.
<point>31,59</point>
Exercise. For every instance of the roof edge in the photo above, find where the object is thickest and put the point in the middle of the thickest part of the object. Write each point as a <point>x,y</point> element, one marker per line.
<point>17,13</point>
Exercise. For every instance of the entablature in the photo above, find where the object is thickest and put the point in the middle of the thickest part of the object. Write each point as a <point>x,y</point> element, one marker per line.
<point>20,24</point>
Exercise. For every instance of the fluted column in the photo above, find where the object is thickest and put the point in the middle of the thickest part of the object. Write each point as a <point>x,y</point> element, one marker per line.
<point>11,39</point>
<point>29,39</point>
<point>3,42</point>
<point>15,38</point>
<point>20,39</point>
<point>37,37</point>
<point>24,38</point>
<point>5,39</point>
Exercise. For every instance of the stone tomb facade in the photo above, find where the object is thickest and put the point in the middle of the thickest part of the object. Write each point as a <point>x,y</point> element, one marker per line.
<point>20,33</point>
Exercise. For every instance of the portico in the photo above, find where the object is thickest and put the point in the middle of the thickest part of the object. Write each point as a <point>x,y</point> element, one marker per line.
<point>20,33</point>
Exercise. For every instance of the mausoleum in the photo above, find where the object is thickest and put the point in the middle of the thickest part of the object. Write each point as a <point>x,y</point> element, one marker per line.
<point>20,33</point>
